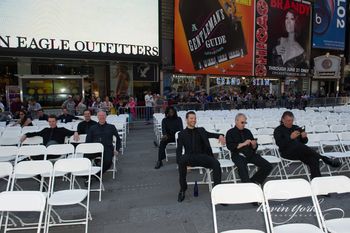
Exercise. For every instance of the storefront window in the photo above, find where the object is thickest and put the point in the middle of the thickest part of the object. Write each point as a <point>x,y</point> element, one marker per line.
<point>50,92</point>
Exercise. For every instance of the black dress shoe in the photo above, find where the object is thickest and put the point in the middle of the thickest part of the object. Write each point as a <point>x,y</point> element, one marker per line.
<point>181,196</point>
<point>331,162</point>
<point>155,143</point>
<point>158,164</point>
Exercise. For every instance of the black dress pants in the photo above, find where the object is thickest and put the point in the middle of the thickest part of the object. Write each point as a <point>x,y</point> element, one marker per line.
<point>264,168</point>
<point>306,155</point>
<point>162,146</point>
<point>201,160</point>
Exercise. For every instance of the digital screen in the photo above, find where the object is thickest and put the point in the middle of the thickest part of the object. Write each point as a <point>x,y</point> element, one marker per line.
<point>80,28</point>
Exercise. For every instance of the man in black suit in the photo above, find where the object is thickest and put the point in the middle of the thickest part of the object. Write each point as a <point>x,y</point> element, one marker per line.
<point>197,152</point>
<point>243,146</point>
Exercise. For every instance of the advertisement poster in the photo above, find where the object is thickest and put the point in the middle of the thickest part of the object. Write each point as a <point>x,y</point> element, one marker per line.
<point>282,38</point>
<point>329,24</point>
<point>214,36</point>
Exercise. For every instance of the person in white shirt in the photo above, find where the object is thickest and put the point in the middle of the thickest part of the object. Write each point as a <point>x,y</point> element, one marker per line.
<point>149,105</point>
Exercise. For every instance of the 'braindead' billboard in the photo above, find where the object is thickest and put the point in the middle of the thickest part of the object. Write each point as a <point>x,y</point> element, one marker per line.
<point>282,38</point>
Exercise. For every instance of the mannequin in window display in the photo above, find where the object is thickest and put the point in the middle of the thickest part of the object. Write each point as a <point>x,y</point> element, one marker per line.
<point>123,79</point>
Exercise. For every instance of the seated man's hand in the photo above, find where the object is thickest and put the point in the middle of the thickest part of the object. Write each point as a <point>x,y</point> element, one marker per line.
<point>247,142</point>
<point>164,138</point>
<point>254,143</point>
<point>303,134</point>
<point>23,138</point>
<point>295,134</point>
<point>222,140</point>
<point>76,137</point>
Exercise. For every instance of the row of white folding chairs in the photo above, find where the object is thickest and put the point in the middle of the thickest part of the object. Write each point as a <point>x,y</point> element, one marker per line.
<point>16,154</point>
<point>277,190</point>
<point>46,197</point>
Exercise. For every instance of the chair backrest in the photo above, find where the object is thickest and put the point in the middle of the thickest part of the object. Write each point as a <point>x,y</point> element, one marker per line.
<point>37,140</point>
<point>330,184</point>
<point>313,138</point>
<point>345,136</point>
<point>214,143</point>
<point>267,131</point>
<point>89,148</point>
<point>265,139</point>
<point>6,170</point>
<point>26,169</point>
<point>21,201</point>
<point>8,153</point>
<point>337,128</point>
<point>72,165</point>
<point>321,128</point>
<point>328,137</point>
<point>82,139</point>
<point>60,149</point>
<point>9,140</point>
<point>31,150</point>
<point>29,129</point>
<point>237,194</point>
<point>287,189</point>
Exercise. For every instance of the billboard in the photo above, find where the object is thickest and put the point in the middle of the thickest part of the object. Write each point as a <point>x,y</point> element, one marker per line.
<point>329,24</point>
<point>81,28</point>
<point>214,36</point>
<point>282,38</point>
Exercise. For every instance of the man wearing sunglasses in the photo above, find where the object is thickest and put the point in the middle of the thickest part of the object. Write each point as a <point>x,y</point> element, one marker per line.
<point>241,143</point>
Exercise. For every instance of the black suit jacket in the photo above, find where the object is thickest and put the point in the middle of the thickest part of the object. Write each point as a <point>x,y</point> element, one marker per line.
<point>184,140</point>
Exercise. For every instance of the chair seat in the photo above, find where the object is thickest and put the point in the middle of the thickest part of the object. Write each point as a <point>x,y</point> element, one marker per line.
<point>297,228</point>
<point>243,231</point>
<point>337,154</point>
<point>331,143</point>
<point>94,170</point>
<point>272,159</point>
<point>347,143</point>
<point>57,174</point>
<point>313,144</point>
<point>67,197</point>
<point>340,225</point>
<point>226,163</point>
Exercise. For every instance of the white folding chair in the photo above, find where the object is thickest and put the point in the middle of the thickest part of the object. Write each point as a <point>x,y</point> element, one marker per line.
<point>268,150</point>
<point>91,148</point>
<point>325,186</point>
<point>23,201</point>
<point>82,139</point>
<point>30,170</point>
<point>9,140</point>
<point>238,194</point>
<point>37,140</point>
<point>8,153</point>
<point>31,151</point>
<point>171,146</point>
<point>6,173</point>
<point>289,190</point>
<point>71,196</point>
<point>29,129</point>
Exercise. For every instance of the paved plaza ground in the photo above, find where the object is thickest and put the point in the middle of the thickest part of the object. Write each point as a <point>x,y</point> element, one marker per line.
<point>143,200</point>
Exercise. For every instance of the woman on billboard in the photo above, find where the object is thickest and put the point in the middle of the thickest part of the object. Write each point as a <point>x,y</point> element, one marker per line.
<point>289,52</point>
